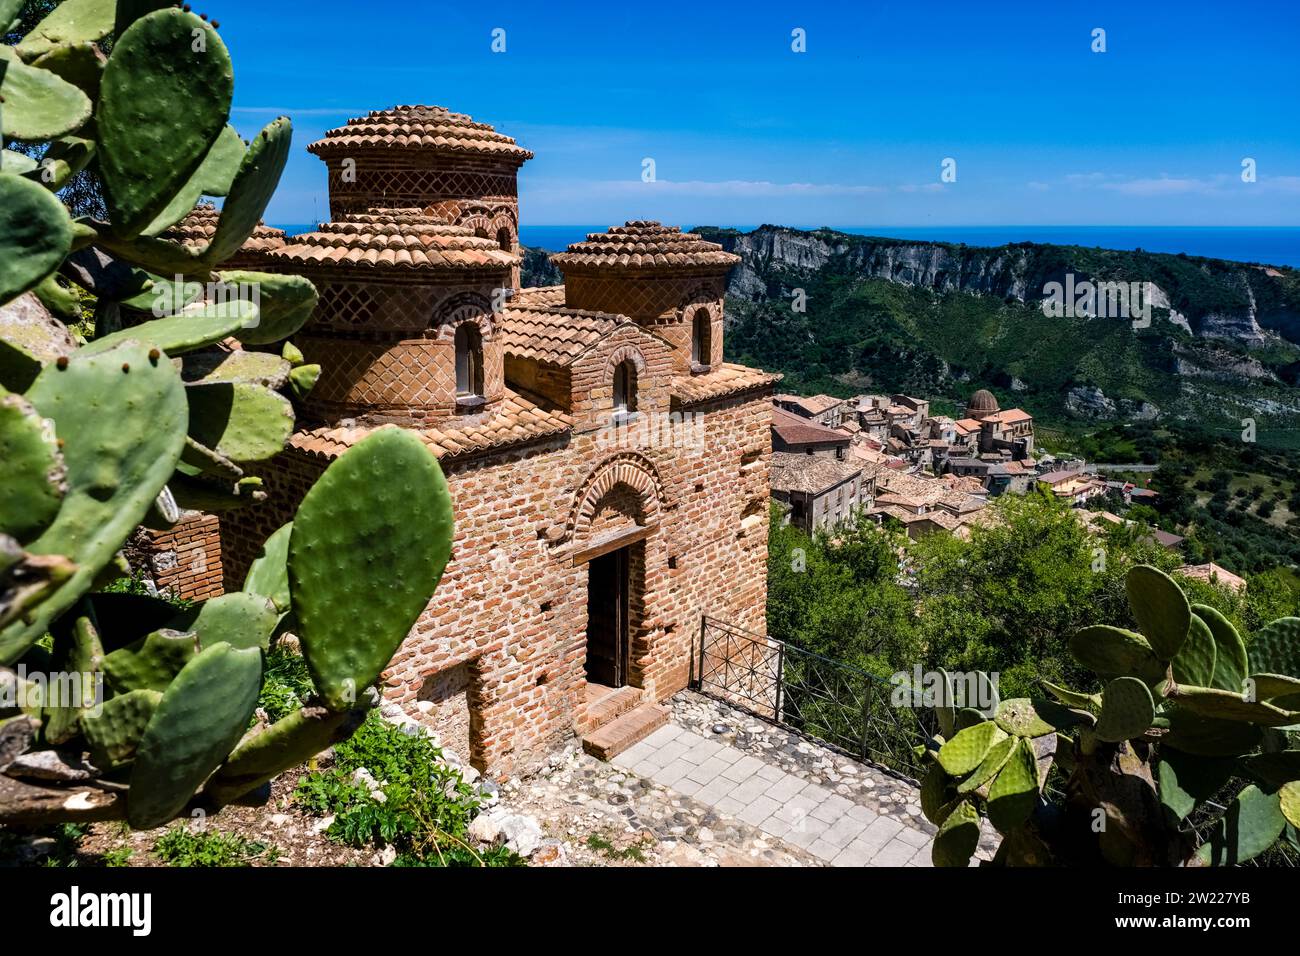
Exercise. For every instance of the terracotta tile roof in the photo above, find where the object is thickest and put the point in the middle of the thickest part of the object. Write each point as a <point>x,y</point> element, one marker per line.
<point>431,128</point>
<point>540,295</point>
<point>516,421</point>
<point>644,245</point>
<point>200,224</point>
<point>967,425</point>
<point>396,239</point>
<point>722,380</point>
<point>812,404</point>
<point>796,430</point>
<point>1010,416</point>
<point>809,474</point>
<point>1057,477</point>
<point>554,334</point>
<point>1213,574</point>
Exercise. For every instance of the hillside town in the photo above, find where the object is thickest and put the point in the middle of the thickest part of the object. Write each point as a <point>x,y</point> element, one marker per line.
<point>888,455</point>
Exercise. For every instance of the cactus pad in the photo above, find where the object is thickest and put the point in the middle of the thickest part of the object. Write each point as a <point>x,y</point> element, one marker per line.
<point>1115,652</point>
<point>1276,648</point>
<point>258,368</point>
<point>1019,718</point>
<point>1289,801</point>
<point>1272,686</point>
<point>958,837</point>
<point>113,474</point>
<point>212,178</point>
<point>968,748</point>
<point>240,620</point>
<point>1014,793</point>
<point>239,421</point>
<point>303,379</point>
<point>368,547</point>
<point>251,191</point>
<point>1127,710</point>
<point>31,471</point>
<point>1230,663</point>
<point>1247,828</point>
<point>162,104</point>
<point>35,235</point>
<point>38,105</point>
<point>1073,698</point>
<point>1209,736</point>
<point>194,327</point>
<point>114,735</point>
<point>993,761</point>
<point>199,720</point>
<point>72,21</point>
<point>1195,662</point>
<point>935,793</point>
<point>1225,705</point>
<point>150,663</point>
<point>286,303</point>
<point>268,575</point>
<point>1161,609</point>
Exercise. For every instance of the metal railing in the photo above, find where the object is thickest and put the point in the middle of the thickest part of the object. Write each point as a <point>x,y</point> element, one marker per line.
<point>833,702</point>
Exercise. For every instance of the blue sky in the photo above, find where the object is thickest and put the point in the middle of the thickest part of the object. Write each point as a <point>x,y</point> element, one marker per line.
<point>852,132</point>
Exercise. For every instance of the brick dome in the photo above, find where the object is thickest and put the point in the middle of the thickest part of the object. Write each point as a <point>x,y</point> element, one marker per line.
<point>644,245</point>
<point>428,128</point>
<point>982,403</point>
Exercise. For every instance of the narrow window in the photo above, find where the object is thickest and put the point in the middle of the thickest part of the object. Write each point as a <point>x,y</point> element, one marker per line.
<point>504,241</point>
<point>469,361</point>
<point>701,338</point>
<point>624,389</point>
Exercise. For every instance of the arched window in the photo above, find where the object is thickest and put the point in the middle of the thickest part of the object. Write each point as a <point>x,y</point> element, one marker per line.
<point>702,338</point>
<point>504,241</point>
<point>624,389</point>
<point>469,361</point>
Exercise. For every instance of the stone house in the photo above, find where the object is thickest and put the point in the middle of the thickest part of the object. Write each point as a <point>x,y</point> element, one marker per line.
<point>821,409</point>
<point>791,433</point>
<point>820,492</point>
<point>608,469</point>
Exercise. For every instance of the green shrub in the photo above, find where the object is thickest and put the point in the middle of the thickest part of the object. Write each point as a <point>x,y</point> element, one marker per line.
<point>181,846</point>
<point>286,685</point>
<point>424,807</point>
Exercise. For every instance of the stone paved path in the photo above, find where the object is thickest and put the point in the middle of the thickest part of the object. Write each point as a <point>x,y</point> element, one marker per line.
<point>808,815</point>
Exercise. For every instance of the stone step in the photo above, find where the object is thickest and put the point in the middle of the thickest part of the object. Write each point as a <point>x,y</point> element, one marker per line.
<point>619,734</point>
<point>613,705</point>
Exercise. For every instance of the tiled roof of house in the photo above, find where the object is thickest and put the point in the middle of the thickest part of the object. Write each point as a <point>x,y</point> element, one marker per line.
<point>1057,477</point>
<point>644,245</point>
<point>723,380</point>
<point>516,421</point>
<point>796,430</point>
<point>809,474</point>
<point>200,224</point>
<point>554,334</point>
<point>1213,574</point>
<point>966,426</point>
<point>1010,416</point>
<point>811,404</point>
<point>395,239</point>
<point>431,128</point>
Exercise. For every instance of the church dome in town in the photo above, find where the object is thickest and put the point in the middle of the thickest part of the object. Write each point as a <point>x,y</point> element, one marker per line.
<point>981,403</point>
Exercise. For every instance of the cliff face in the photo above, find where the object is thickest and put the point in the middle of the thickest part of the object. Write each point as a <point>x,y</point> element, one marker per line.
<point>1210,298</point>
<point>1222,343</point>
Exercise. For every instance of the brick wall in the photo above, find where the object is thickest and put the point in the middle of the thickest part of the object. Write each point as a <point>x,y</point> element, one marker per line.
<point>185,560</point>
<point>513,602</point>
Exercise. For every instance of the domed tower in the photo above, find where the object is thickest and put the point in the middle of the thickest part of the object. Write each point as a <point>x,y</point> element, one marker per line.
<point>426,157</point>
<point>406,329</point>
<point>981,405</point>
<point>666,280</point>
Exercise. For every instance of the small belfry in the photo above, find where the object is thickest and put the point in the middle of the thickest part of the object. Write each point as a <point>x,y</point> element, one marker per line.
<point>608,468</point>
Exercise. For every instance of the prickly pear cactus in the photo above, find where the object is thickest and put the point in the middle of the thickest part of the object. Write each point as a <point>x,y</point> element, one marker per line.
<point>160,409</point>
<point>1183,754</point>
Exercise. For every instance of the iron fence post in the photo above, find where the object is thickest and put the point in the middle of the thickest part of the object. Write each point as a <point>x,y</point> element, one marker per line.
<point>699,676</point>
<point>866,719</point>
<point>780,680</point>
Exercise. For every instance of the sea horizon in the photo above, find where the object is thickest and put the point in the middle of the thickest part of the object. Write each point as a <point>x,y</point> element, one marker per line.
<point>1265,245</point>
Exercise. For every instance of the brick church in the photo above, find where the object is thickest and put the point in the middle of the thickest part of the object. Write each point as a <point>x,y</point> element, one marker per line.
<point>608,470</point>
